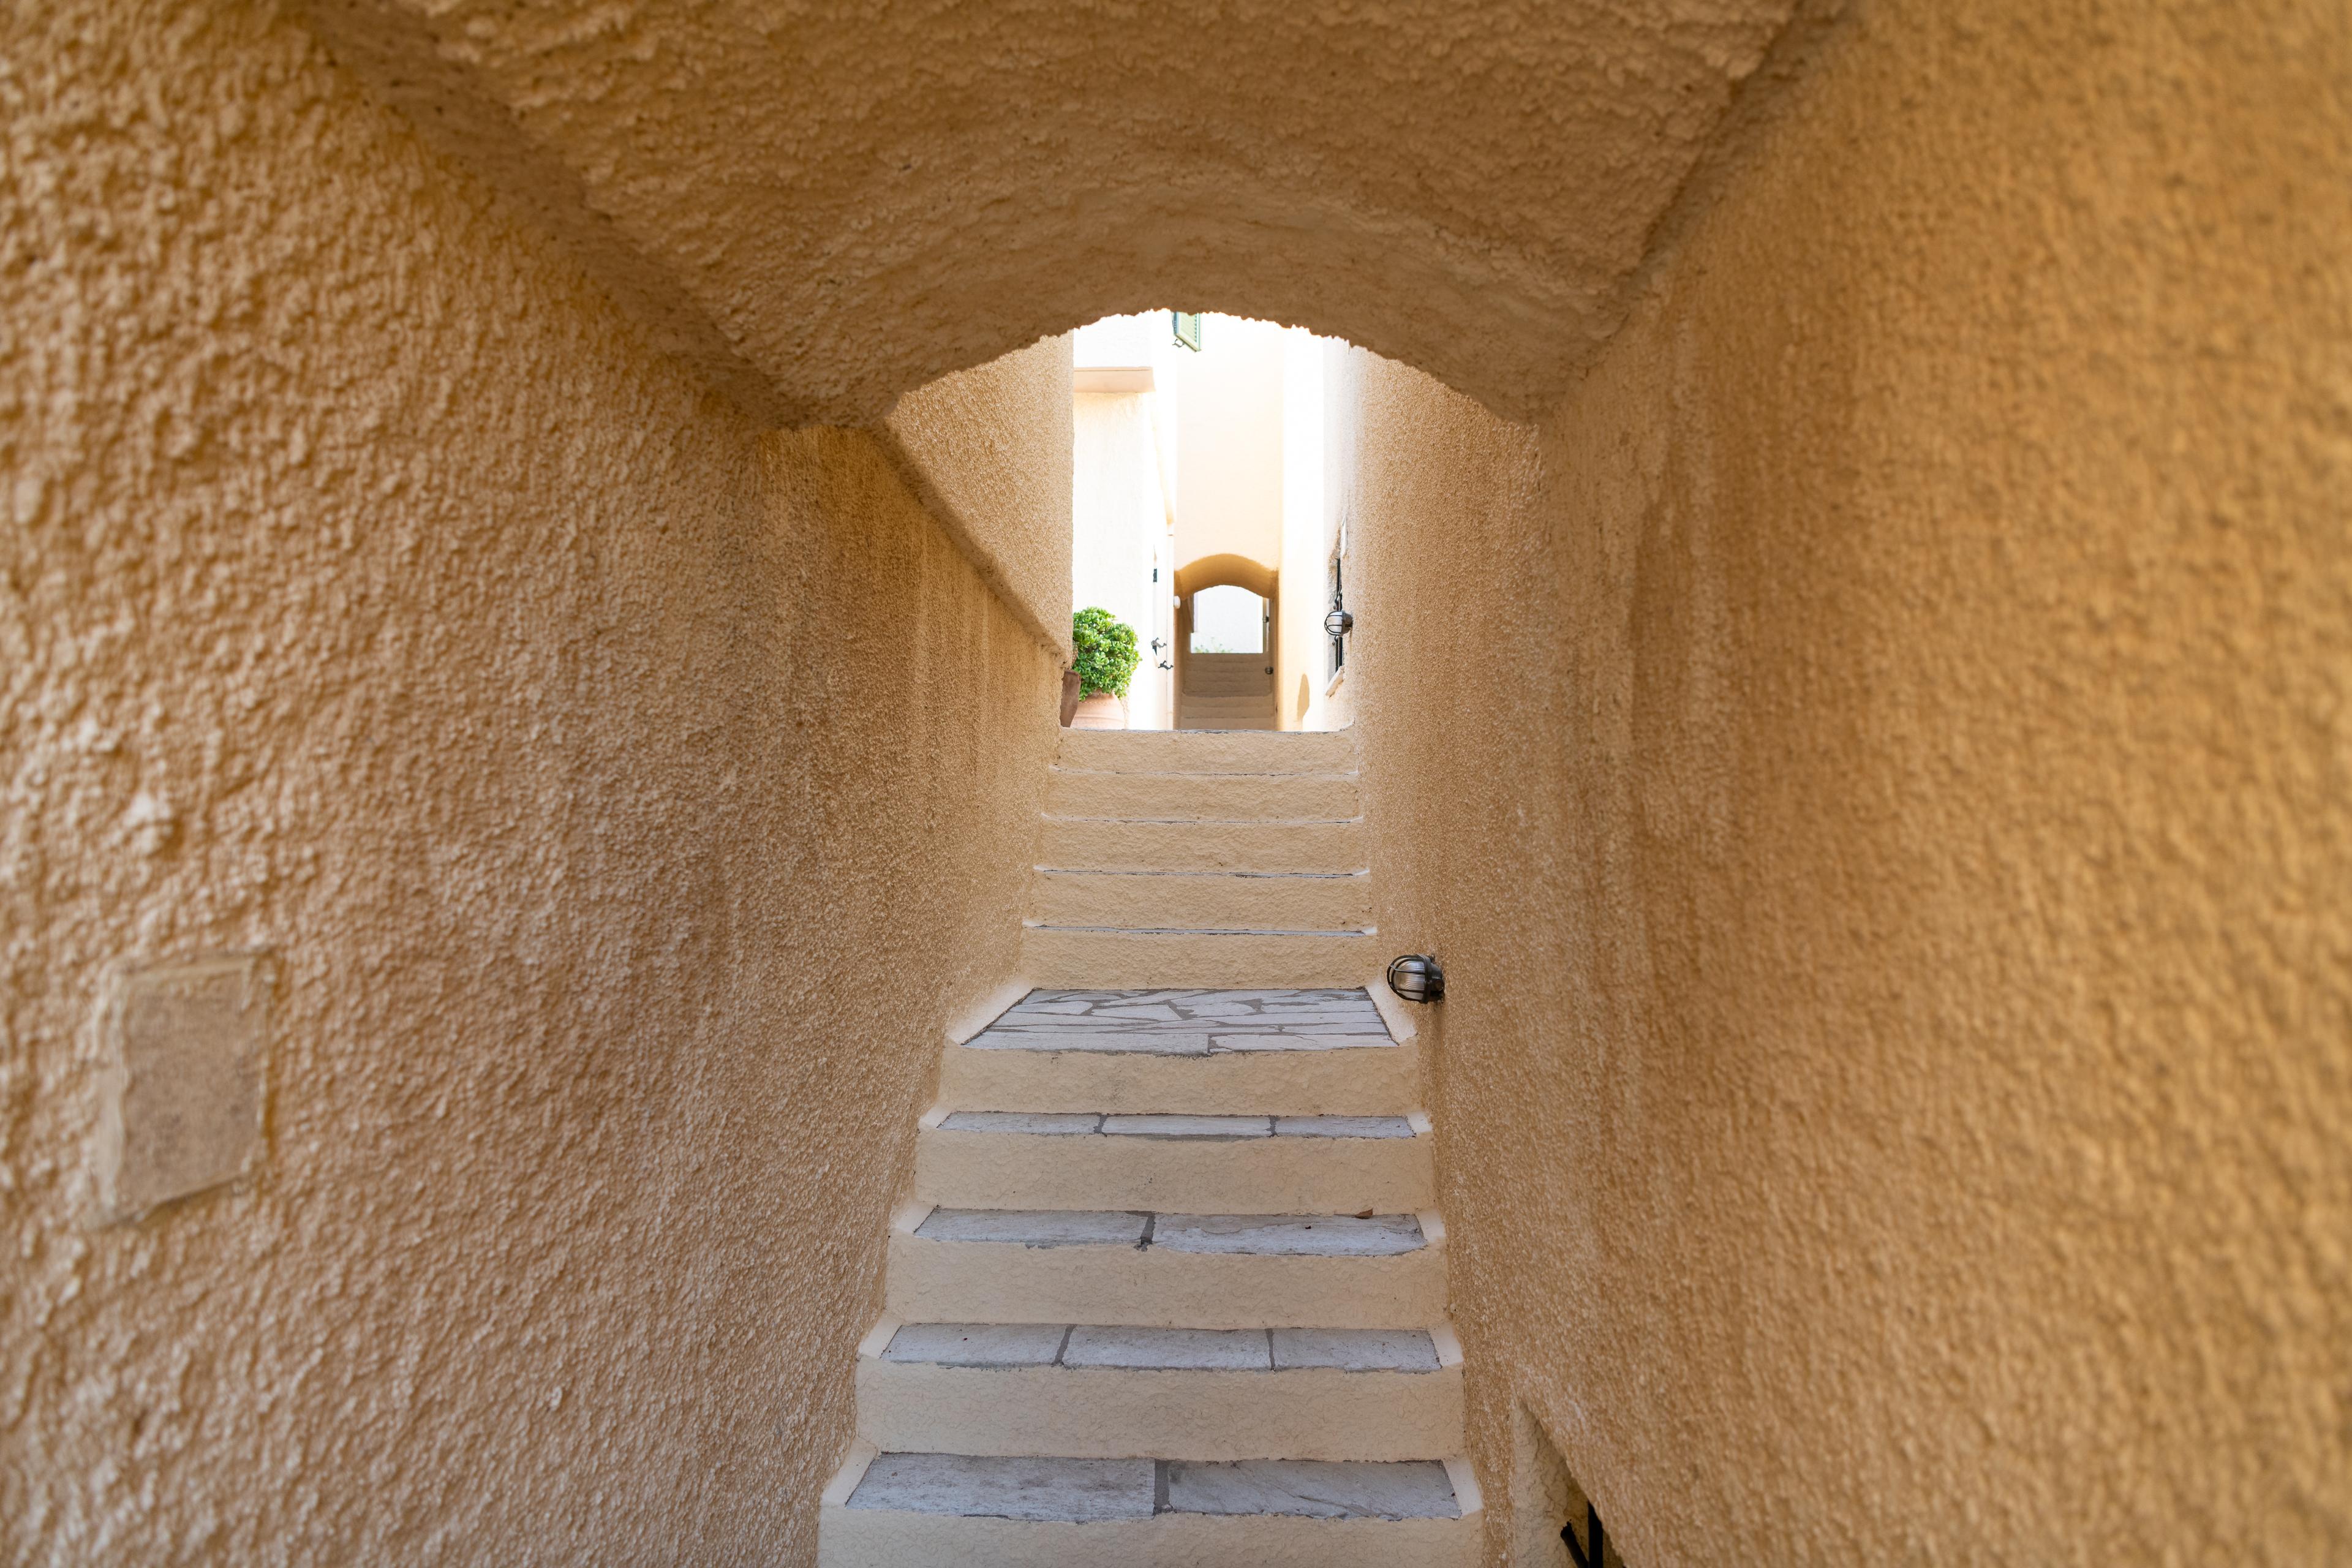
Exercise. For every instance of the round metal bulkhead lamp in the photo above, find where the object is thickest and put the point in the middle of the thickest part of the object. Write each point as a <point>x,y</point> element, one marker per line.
<point>1338,622</point>
<point>1416,977</point>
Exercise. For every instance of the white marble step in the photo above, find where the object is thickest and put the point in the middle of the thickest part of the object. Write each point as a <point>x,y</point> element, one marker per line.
<point>1209,751</point>
<point>1198,1393</point>
<point>1202,797</point>
<point>1175,1270</point>
<point>1297,1053</point>
<point>1187,1020</point>
<point>911,1510</point>
<point>1115,844</point>
<point>1244,900</point>
<point>1189,1164</point>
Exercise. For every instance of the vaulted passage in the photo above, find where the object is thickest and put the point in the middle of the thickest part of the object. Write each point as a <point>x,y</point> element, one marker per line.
<point>575,993</point>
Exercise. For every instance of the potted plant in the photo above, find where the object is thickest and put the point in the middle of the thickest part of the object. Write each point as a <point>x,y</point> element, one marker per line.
<point>1107,658</point>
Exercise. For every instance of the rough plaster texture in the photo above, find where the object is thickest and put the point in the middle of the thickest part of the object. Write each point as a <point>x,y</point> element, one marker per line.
<point>629,797</point>
<point>1898,1044</point>
<point>989,450</point>
<point>1891,1086</point>
<point>823,204</point>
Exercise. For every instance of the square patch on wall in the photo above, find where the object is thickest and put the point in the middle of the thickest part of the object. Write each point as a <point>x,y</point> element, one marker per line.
<point>186,1048</point>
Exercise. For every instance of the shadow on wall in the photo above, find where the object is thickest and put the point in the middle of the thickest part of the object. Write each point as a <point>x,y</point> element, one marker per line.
<point>1545,1500</point>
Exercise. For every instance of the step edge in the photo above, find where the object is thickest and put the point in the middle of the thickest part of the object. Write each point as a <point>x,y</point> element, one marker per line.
<point>1352,933</point>
<point>1351,775</point>
<point>1469,1499</point>
<point>1441,1334</point>
<point>927,1128</point>
<point>1359,873</point>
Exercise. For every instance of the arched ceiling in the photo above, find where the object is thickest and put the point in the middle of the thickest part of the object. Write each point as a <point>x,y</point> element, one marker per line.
<point>824,202</point>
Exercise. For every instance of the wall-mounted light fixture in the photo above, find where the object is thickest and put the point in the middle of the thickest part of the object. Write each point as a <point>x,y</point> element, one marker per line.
<point>1416,977</point>
<point>1338,624</point>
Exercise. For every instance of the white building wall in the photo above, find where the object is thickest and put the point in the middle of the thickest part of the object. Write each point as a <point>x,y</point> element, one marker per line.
<point>1123,545</point>
<point>1229,435</point>
<point>1310,523</point>
<point>1343,402</point>
<point>1121,533</point>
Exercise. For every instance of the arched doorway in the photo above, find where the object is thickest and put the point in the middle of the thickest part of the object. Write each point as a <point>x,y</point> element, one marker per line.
<point>1225,627</point>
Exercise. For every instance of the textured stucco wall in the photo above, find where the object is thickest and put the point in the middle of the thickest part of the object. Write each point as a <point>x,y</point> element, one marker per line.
<point>629,795</point>
<point>989,450</point>
<point>1874,763</point>
<point>825,202</point>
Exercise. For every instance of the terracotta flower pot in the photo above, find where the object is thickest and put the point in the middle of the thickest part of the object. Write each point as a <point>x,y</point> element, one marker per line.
<point>1100,711</point>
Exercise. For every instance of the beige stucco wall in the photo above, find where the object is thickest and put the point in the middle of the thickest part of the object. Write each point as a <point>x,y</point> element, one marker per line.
<point>1873,762</point>
<point>629,796</point>
<point>988,452</point>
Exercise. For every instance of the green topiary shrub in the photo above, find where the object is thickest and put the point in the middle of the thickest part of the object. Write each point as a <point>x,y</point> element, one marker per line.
<point>1106,652</point>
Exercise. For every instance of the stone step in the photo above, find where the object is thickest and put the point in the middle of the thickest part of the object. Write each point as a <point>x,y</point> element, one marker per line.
<point>1243,681</point>
<point>1080,955</point>
<point>1108,1392</point>
<point>1192,1165</point>
<point>1202,797</point>
<point>1148,1271</point>
<point>1282,1052</point>
<point>1209,750</point>
<point>1360,1080</point>
<point>1221,714</point>
<point>1220,899</point>
<point>962,1510</point>
<point>1110,844</point>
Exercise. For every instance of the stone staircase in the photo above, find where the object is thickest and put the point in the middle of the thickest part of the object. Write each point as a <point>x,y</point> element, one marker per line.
<point>1170,1287</point>
<point>1201,858</point>
<point>1227,691</point>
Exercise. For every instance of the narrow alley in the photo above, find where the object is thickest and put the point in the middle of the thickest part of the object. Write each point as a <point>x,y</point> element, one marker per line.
<point>790,783</point>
